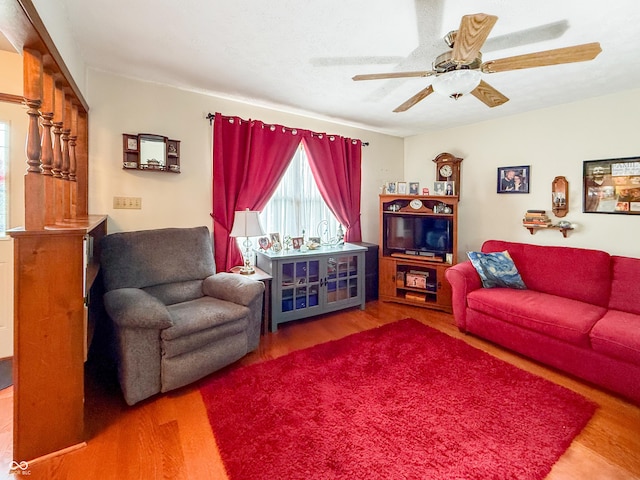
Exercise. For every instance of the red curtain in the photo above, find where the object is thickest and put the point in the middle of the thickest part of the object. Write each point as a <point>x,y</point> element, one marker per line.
<point>249,159</point>
<point>335,162</point>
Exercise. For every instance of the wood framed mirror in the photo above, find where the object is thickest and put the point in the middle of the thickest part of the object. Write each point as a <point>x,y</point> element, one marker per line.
<point>560,196</point>
<point>153,151</point>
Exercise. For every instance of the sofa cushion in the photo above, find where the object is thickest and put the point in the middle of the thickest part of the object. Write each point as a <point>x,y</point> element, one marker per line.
<point>177,292</point>
<point>201,314</point>
<point>618,334</point>
<point>573,273</point>
<point>220,334</point>
<point>558,317</point>
<point>496,269</point>
<point>625,285</point>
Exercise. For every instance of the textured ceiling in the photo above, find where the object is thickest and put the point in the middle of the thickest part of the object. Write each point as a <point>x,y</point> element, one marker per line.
<point>300,56</point>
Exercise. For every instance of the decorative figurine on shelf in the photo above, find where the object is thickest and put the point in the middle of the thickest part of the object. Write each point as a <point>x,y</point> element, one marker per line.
<point>286,241</point>
<point>339,236</point>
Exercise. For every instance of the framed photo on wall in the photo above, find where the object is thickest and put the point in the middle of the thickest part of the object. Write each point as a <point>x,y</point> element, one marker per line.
<point>514,179</point>
<point>611,186</point>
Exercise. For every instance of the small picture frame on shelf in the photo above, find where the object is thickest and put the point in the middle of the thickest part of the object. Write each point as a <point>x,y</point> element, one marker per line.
<point>402,188</point>
<point>296,242</point>
<point>274,238</point>
<point>414,188</point>
<point>132,143</point>
<point>513,179</point>
<point>438,188</point>
<point>415,280</point>
<point>264,243</point>
<point>390,187</point>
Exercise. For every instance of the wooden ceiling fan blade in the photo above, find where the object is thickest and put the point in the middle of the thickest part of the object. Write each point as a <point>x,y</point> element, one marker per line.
<point>380,76</point>
<point>473,32</point>
<point>421,95</point>
<point>489,95</point>
<point>577,53</point>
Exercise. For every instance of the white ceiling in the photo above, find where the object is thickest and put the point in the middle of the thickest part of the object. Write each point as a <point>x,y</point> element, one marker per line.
<point>299,56</point>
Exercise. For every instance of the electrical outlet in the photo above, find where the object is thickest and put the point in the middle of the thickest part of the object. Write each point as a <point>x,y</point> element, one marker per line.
<point>131,203</point>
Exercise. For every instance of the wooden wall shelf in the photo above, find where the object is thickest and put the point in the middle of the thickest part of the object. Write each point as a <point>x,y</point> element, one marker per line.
<point>563,230</point>
<point>149,152</point>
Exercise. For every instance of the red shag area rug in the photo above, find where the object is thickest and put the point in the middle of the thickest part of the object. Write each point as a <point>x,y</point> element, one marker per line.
<point>402,401</point>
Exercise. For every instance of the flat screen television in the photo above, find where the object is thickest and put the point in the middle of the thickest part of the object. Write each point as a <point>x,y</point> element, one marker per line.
<point>418,235</point>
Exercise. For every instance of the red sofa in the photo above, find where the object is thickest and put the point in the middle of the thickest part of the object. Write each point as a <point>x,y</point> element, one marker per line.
<point>580,312</point>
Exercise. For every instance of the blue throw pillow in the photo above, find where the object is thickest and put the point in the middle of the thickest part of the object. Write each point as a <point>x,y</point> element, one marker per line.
<point>496,270</point>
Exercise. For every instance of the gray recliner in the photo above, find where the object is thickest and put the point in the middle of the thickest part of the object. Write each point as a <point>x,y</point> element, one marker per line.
<point>175,319</point>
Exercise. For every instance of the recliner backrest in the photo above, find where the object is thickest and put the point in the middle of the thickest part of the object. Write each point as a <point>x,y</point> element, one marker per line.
<point>155,258</point>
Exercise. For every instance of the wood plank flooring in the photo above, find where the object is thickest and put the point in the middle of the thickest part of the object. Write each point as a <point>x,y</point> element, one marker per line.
<point>168,436</point>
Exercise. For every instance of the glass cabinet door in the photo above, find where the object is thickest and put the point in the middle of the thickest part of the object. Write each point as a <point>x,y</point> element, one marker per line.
<point>342,278</point>
<point>300,284</point>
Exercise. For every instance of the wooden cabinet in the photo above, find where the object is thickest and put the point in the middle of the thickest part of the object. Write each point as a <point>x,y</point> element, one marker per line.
<point>145,151</point>
<point>314,282</point>
<point>53,265</point>
<point>54,269</point>
<point>419,242</point>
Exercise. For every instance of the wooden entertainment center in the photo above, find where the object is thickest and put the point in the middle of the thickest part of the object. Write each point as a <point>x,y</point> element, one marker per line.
<point>418,243</point>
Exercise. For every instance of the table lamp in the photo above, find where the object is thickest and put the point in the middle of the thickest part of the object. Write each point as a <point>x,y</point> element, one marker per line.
<point>246,223</point>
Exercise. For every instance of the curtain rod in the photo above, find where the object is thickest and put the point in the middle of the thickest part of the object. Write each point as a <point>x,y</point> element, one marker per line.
<point>211,116</point>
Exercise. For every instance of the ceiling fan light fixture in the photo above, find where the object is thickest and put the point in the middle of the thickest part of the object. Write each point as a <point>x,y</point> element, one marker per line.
<point>456,83</point>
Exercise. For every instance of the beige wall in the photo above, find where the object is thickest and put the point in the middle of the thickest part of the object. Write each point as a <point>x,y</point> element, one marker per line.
<point>120,105</point>
<point>15,115</point>
<point>554,142</point>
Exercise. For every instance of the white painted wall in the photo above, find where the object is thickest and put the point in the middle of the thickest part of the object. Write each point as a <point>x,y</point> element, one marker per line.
<point>554,142</point>
<point>121,105</point>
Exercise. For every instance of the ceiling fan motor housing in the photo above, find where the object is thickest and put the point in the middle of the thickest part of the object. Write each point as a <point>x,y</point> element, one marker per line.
<point>445,63</point>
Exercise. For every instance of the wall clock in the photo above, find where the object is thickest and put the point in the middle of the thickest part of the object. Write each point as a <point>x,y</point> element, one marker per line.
<point>448,170</point>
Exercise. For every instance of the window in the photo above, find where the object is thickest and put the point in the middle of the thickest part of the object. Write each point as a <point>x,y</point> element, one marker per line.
<point>296,207</point>
<point>4,166</point>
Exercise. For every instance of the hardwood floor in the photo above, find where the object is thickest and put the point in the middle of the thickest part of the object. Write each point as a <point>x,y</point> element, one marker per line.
<point>168,436</point>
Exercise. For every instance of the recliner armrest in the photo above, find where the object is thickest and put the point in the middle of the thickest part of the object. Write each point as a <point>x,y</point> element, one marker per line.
<point>232,288</point>
<point>135,308</point>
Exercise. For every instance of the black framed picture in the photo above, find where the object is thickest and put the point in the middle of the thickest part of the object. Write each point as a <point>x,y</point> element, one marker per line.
<point>514,179</point>
<point>611,186</point>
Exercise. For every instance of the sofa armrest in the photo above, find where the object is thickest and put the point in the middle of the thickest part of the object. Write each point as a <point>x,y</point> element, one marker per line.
<point>135,308</point>
<point>232,288</point>
<point>463,279</point>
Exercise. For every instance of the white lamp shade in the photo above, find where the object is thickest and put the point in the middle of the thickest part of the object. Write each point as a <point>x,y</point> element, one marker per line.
<point>246,224</point>
<point>456,82</point>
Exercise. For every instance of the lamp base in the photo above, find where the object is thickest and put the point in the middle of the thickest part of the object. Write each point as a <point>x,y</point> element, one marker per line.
<point>246,270</point>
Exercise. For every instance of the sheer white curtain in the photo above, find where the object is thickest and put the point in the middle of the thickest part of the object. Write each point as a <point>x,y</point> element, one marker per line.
<point>297,207</point>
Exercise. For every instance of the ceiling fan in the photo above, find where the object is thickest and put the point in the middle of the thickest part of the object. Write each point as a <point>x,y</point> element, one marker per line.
<point>458,71</point>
